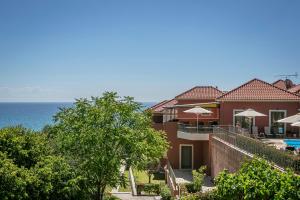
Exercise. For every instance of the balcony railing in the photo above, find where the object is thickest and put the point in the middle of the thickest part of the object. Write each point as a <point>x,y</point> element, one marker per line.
<point>243,141</point>
<point>194,130</point>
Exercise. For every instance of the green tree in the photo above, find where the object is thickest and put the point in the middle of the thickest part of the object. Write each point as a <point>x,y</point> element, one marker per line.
<point>104,133</point>
<point>257,179</point>
<point>30,170</point>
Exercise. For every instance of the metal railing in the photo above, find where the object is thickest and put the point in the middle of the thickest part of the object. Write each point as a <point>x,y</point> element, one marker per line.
<point>172,174</point>
<point>193,129</point>
<point>171,179</point>
<point>243,141</point>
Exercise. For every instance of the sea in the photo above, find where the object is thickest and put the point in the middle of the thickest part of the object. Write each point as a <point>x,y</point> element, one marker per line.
<point>34,115</point>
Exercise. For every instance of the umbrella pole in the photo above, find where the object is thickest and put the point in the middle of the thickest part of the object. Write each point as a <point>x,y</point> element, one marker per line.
<point>197,123</point>
<point>251,125</point>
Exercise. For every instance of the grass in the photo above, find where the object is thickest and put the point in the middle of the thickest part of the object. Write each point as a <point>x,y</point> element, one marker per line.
<point>142,177</point>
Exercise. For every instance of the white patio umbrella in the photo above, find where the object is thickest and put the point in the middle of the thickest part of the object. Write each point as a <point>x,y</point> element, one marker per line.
<point>290,119</point>
<point>296,124</point>
<point>250,113</point>
<point>197,110</point>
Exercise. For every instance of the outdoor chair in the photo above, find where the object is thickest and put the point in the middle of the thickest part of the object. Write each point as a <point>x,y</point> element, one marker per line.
<point>267,132</point>
<point>256,134</point>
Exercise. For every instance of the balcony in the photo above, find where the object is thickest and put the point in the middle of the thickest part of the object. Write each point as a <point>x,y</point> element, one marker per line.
<point>190,132</point>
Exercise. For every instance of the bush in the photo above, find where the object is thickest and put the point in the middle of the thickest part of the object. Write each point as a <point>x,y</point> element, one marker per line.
<point>209,195</point>
<point>110,197</point>
<point>148,188</point>
<point>256,179</point>
<point>165,193</point>
<point>190,188</point>
<point>198,178</point>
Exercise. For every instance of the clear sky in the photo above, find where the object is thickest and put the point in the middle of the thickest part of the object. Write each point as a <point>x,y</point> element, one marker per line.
<point>58,50</point>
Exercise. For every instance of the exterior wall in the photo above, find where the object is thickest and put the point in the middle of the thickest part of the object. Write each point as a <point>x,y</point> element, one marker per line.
<point>182,116</point>
<point>226,111</point>
<point>201,148</point>
<point>224,157</point>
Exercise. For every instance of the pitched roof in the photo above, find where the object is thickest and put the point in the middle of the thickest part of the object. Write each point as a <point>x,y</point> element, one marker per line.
<point>295,89</point>
<point>258,90</point>
<point>160,106</point>
<point>280,83</point>
<point>200,92</point>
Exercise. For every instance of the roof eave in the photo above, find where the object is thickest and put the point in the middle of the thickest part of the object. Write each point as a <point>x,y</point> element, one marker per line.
<point>257,100</point>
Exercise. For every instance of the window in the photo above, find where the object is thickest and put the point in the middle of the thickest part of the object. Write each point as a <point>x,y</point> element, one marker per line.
<point>243,122</point>
<point>274,116</point>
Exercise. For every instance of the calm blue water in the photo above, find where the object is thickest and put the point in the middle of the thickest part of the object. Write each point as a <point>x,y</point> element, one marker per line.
<point>293,142</point>
<point>32,115</point>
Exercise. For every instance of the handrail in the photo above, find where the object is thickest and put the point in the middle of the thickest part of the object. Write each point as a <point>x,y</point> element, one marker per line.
<point>172,174</point>
<point>171,179</point>
<point>243,141</point>
<point>193,129</point>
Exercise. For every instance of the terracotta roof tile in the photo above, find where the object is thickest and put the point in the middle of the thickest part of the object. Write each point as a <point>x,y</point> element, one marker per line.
<point>258,90</point>
<point>280,83</point>
<point>160,106</point>
<point>295,89</point>
<point>200,92</point>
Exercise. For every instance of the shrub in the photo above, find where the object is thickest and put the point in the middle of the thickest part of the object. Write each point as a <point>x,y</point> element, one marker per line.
<point>209,195</point>
<point>149,188</point>
<point>191,197</point>
<point>190,188</point>
<point>256,179</point>
<point>165,193</point>
<point>198,178</point>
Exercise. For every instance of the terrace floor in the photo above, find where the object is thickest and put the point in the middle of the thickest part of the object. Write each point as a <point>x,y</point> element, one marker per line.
<point>185,176</point>
<point>277,143</point>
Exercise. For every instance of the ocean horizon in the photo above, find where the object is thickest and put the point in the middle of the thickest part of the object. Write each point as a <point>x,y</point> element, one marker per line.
<point>34,115</point>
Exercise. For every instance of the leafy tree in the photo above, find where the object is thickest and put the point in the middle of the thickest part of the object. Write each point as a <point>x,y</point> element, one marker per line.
<point>30,170</point>
<point>257,179</point>
<point>104,133</point>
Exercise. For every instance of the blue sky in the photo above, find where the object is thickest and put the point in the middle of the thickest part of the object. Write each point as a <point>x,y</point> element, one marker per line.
<point>58,50</point>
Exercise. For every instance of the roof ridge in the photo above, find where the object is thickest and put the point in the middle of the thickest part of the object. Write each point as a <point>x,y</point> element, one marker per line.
<point>158,104</point>
<point>198,86</point>
<point>279,88</point>
<point>252,80</point>
<point>277,81</point>
<point>236,88</point>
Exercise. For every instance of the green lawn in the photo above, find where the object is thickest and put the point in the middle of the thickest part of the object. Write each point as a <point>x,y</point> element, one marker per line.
<point>142,177</point>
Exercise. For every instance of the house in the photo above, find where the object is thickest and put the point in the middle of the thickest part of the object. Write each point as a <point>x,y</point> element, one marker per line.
<point>295,89</point>
<point>284,84</point>
<point>263,97</point>
<point>190,144</point>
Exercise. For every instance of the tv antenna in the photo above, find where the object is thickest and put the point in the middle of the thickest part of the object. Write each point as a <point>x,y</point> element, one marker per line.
<point>288,76</point>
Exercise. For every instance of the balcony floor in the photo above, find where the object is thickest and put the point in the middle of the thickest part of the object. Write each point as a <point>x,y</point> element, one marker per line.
<point>185,176</point>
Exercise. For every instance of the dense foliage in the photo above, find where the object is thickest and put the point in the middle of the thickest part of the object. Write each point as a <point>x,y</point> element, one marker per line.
<point>256,179</point>
<point>30,170</point>
<point>148,188</point>
<point>165,193</point>
<point>100,135</point>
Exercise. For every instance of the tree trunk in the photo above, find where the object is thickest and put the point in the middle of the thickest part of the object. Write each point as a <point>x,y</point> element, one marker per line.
<point>102,193</point>
<point>149,177</point>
